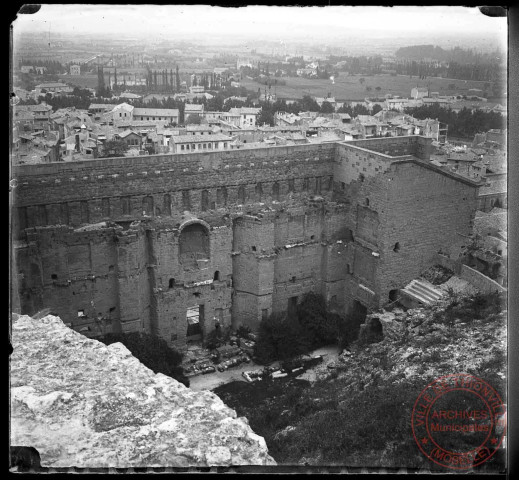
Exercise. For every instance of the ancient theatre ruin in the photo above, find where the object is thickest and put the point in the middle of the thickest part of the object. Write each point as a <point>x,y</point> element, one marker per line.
<point>172,244</point>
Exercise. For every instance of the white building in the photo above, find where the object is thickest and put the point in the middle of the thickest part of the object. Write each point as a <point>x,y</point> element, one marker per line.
<point>75,70</point>
<point>247,115</point>
<point>166,114</point>
<point>227,117</point>
<point>123,111</point>
<point>199,143</point>
<point>193,109</point>
<point>197,89</point>
<point>419,92</point>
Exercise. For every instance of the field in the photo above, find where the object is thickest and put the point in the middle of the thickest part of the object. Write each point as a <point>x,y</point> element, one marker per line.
<point>83,81</point>
<point>89,80</point>
<point>348,88</point>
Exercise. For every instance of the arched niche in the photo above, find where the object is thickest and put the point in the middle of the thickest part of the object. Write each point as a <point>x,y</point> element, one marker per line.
<point>194,244</point>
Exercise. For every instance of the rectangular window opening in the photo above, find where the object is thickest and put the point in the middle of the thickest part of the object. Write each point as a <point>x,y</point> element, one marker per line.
<point>194,316</point>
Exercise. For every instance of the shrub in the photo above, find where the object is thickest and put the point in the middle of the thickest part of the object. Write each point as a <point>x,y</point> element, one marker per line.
<point>349,328</point>
<point>312,314</point>
<point>471,307</point>
<point>153,352</point>
<point>281,337</point>
<point>217,337</point>
<point>243,331</point>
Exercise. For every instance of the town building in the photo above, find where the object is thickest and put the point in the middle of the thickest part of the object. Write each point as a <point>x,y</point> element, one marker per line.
<point>129,96</point>
<point>247,115</point>
<point>193,109</point>
<point>130,138</point>
<point>75,70</point>
<point>199,130</point>
<point>123,111</point>
<point>52,87</point>
<point>419,92</point>
<point>196,89</point>
<point>199,143</point>
<point>227,117</point>
<point>169,115</point>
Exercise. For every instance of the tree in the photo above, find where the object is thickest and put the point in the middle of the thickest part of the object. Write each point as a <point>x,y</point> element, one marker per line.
<point>308,104</point>
<point>378,89</point>
<point>327,107</point>
<point>114,148</point>
<point>368,89</point>
<point>360,110</point>
<point>362,80</point>
<point>266,116</point>
<point>177,79</point>
<point>376,108</point>
<point>193,119</point>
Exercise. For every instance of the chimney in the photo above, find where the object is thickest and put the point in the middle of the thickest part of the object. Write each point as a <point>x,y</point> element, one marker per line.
<point>77,142</point>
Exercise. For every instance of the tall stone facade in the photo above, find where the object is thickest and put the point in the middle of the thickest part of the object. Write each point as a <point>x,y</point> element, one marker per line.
<point>130,244</point>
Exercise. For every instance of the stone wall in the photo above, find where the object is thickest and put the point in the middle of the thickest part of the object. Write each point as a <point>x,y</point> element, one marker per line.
<point>76,193</point>
<point>402,211</point>
<point>131,243</point>
<point>425,213</point>
<point>83,404</point>
<point>483,283</point>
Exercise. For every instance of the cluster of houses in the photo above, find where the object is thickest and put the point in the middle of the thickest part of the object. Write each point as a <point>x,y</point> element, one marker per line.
<point>310,70</point>
<point>383,124</point>
<point>41,135</point>
<point>421,96</point>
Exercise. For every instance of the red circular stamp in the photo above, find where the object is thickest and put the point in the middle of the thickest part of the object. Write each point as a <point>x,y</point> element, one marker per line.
<point>459,421</point>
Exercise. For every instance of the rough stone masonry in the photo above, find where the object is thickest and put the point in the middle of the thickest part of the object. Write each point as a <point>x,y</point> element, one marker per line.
<point>134,244</point>
<point>83,404</point>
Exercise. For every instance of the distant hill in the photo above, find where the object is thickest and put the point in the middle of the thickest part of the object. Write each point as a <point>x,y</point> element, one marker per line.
<point>456,54</point>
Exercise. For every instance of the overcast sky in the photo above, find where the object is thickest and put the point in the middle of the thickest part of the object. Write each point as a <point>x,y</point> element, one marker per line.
<point>282,22</point>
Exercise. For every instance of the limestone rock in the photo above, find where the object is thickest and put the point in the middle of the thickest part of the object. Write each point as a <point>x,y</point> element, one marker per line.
<point>84,404</point>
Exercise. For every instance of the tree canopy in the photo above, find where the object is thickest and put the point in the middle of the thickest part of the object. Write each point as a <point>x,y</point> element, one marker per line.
<point>326,107</point>
<point>114,148</point>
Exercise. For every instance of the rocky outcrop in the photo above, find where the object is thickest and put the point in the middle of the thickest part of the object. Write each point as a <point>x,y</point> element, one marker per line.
<point>83,404</point>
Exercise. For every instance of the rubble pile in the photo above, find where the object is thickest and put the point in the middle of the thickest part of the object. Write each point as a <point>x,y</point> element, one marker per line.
<point>294,367</point>
<point>437,274</point>
<point>237,350</point>
<point>416,346</point>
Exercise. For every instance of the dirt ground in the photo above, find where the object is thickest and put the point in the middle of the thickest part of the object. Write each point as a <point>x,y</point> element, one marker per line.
<point>216,379</point>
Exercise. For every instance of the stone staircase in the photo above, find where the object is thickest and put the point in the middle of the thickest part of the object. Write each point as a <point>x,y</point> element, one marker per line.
<point>422,291</point>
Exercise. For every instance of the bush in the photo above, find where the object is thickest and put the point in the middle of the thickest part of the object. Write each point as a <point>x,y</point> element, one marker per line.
<point>349,328</point>
<point>153,352</point>
<point>217,337</point>
<point>243,331</point>
<point>313,316</point>
<point>471,307</point>
<point>283,336</point>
